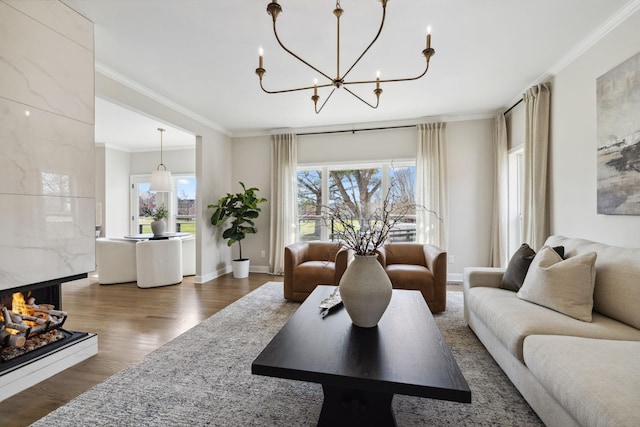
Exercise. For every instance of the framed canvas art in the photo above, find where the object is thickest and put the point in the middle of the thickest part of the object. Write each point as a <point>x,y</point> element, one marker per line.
<point>618,144</point>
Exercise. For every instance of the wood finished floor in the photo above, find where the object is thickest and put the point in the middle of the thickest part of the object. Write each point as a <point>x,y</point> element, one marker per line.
<point>130,323</point>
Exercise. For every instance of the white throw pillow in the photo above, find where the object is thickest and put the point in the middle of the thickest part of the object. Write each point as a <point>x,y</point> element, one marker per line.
<point>562,285</point>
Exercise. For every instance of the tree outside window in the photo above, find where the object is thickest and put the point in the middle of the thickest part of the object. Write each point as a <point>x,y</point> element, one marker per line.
<point>357,192</point>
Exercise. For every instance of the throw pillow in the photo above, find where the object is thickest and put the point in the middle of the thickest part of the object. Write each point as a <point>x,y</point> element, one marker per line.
<point>562,285</point>
<point>516,271</point>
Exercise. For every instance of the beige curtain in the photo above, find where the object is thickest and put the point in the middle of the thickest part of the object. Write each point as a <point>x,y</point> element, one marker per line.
<point>535,215</point>
<point>431,185</point>
<point>283,199</point>
<point>499,223</point>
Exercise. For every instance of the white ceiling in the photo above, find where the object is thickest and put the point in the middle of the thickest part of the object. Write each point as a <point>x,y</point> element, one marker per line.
<point>202,55</point>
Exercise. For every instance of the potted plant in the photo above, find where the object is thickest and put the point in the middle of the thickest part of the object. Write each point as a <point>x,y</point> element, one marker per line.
<point>242,209</point>
<point>159,223</point>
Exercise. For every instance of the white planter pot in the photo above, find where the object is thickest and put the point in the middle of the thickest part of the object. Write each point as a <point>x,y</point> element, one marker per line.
<point>158,227</point>
<point>240,268</point>
<point>366,291</point>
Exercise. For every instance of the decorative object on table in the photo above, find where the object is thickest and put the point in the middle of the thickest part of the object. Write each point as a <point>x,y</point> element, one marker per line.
<point>242,208</point>
<point>332,301</point>
<point>365,287</point>
<point>160,178</point>
<point>618,139</point>
<point>339,81</point>
<point>159,223</point>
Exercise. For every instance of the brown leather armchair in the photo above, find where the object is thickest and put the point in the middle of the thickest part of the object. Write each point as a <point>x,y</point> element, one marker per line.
<point>308,264</point>
<point>420,267</point>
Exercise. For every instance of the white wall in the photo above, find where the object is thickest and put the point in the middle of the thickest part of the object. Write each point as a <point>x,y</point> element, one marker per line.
<point>176,161</point>
<point>573,170</point>
<point>251,164</point>
<point>117,193</point>
<point>469,165</point>
<point>390,144</point>
<point>470,168</point>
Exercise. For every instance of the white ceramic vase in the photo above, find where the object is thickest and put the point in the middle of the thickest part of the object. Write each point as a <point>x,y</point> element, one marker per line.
<point>158,227</point>
<point>366,290</point>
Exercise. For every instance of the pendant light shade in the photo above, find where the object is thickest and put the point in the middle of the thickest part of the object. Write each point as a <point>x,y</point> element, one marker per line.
<point>161,177</point>
<point>160,181</point>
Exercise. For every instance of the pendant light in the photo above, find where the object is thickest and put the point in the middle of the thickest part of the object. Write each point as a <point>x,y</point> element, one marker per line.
<point>161,178</point>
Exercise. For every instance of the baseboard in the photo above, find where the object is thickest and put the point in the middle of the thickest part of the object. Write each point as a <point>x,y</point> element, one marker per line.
<point>259,269</point>
<point>454,277</point>
<point>213,275</point>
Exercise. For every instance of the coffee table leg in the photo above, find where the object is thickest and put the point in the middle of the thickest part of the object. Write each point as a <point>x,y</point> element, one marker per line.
<point>349,407</point>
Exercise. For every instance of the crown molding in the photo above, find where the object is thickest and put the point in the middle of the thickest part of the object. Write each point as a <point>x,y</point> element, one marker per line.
<point>134,85</point>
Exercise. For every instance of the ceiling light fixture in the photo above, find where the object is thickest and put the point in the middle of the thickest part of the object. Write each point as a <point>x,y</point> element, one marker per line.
<point>274,9</point>
<point>160,179</point>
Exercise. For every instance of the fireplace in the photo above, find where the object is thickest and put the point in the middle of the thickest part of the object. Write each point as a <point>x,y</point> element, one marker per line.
<point>38,346</point>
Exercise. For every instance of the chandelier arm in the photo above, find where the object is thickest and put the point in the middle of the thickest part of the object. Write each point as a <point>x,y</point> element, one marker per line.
<point>370,105</point>
<point>275,32</point>
<point>292,90</point>
<point>384,14</point>
<point>324,103</point>
<point>389,80</point>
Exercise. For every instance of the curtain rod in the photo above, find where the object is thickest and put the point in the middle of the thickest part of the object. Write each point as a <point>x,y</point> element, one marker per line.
<point>513,106</point>
<point>354,130</point>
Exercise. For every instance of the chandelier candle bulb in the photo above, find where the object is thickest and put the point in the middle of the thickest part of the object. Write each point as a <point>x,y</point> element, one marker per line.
<point>429,37</point>
<point>315,87</point>
<point>378,80</point>
<point>260,53</point>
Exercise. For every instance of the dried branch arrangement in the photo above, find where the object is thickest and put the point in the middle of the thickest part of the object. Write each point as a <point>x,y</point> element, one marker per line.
<point>365,235</point>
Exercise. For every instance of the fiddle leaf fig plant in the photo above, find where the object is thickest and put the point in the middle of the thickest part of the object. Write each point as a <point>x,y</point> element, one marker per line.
<point>241,208</point>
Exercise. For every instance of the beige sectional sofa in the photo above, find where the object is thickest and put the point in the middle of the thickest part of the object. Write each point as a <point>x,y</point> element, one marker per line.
<point>572,372</point>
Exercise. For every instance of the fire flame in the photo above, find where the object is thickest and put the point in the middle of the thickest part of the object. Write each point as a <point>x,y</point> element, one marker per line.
<point>18,304</point>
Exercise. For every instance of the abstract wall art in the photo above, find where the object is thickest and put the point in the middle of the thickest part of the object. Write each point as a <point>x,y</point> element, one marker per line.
<point>618,143</point>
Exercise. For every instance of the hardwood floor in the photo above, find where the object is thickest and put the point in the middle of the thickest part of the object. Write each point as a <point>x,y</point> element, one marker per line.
<point>130,323</point>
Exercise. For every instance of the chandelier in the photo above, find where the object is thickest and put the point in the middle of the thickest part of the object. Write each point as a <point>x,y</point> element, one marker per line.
<point>339,81</point>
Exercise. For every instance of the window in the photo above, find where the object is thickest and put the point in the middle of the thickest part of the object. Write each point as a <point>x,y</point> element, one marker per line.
<point>358,190</point>
<point>181,204</point>
<point>186,204</point>
<point>515,201</point>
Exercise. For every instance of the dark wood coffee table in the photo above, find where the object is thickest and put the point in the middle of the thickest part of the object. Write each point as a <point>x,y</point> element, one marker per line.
<point>361,369</point>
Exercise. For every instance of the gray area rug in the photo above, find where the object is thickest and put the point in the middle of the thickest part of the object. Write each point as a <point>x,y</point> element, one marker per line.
<point>203,378</point>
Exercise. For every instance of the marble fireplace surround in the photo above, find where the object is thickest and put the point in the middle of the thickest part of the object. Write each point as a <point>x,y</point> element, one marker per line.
<point>47,190</point>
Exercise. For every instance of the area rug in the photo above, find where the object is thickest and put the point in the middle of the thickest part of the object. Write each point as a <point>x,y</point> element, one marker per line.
<point>203,378</point>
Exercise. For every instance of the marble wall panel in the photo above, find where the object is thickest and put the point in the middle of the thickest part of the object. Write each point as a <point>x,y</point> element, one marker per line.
<point>44,238</point>
<point>42,68</point>
<point>44,153</point>
<point>59,17</point>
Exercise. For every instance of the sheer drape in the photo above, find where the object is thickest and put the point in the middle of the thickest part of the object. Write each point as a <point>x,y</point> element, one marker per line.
<point>499,223</point>
<point>431,184</point>
<point>283,199</point>
<point>535,215</point>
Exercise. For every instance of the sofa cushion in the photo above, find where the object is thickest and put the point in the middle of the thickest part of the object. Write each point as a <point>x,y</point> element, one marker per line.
<point>596,381</point>
<point>562,285</point>
<point>516,271</point>
<point>617,289</point>
<point>512,319</point>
